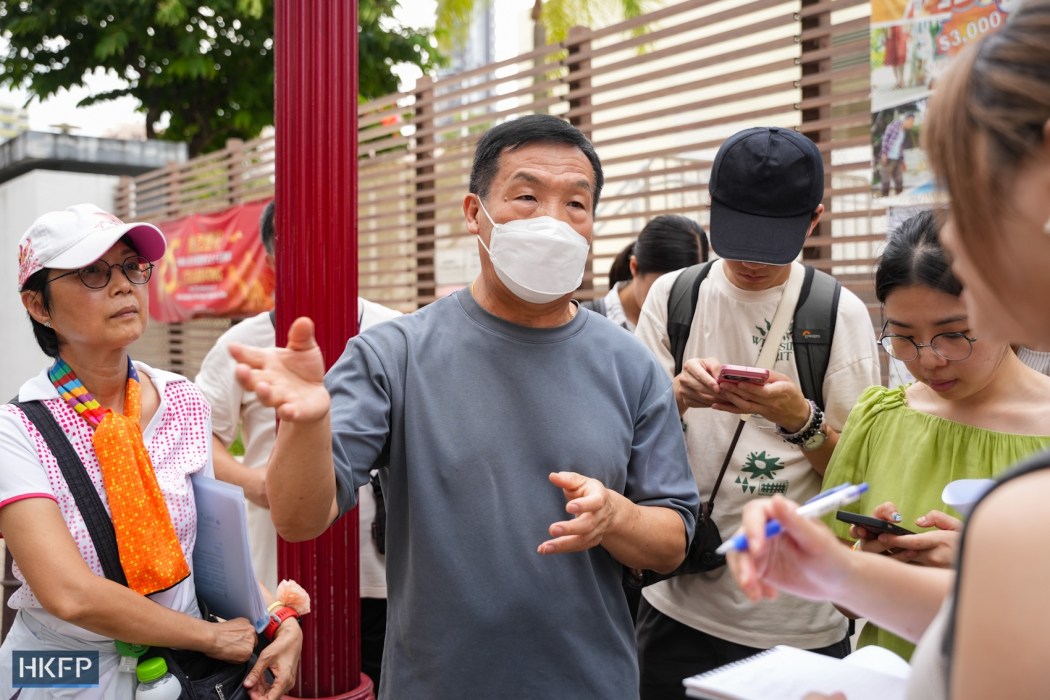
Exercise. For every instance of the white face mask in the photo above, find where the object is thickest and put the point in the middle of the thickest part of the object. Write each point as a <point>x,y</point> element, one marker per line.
<point>539,260</point>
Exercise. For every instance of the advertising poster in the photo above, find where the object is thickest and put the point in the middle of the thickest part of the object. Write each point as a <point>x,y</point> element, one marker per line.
<point>911,42</point>
<point>215,265</point>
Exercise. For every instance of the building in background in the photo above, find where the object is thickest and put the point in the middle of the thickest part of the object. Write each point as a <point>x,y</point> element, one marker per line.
<point>458,264</point>
<point>13,121</point>
<point>476,51</point>
<point>479,47</point>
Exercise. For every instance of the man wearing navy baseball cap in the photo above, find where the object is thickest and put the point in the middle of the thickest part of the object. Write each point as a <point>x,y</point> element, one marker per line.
<point>766,188</point>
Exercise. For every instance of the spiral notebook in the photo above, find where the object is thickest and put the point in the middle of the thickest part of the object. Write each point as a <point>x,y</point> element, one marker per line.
<point>787,673</point>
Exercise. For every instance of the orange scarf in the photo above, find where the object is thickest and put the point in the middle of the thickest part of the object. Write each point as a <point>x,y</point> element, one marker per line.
<point>149,549</point>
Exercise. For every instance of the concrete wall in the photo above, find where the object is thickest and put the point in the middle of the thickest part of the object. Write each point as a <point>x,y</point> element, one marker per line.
<point>22,200</point>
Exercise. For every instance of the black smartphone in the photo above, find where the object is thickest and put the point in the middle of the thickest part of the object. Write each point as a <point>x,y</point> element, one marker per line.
<point>872,524</point>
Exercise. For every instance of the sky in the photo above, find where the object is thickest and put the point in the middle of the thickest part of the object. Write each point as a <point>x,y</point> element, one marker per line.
<point>96,120</point>
<point>101,119</point>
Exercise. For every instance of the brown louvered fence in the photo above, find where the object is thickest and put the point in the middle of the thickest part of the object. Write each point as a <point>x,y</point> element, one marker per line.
<point>657,95</point>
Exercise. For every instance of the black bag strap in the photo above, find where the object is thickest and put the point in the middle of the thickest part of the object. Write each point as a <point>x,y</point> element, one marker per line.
<point>681,305</point>
<point>97,520</point>
<point>725,464</point>
<point>813,330</point>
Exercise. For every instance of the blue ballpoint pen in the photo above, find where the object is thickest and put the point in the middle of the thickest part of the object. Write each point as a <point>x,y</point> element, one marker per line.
<point>825,503</point>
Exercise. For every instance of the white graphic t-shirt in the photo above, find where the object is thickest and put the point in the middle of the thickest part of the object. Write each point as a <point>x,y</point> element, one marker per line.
<point>730,324</point>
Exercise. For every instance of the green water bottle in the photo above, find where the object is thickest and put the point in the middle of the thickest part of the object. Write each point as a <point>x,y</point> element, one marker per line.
<point>156,682</point>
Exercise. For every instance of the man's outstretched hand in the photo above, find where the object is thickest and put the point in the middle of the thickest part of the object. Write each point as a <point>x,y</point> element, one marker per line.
<point>288,379</point>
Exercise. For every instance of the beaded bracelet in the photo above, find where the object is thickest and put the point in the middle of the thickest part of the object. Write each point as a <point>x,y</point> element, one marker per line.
<point>812,426</point>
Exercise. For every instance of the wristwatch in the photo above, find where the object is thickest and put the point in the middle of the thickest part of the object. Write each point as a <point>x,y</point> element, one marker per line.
<point>278,614</point>
<point>811,435</point>
<point>814,441</point>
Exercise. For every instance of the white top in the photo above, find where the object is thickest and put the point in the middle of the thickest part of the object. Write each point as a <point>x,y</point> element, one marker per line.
<point>614,307</point>
<point>235,409</point>
<point>1039,360</point>
<point>177,439</point>
<point>730,324</point>
<point>929,667</point>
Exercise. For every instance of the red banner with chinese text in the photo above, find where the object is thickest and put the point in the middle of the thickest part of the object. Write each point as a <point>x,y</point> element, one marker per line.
<point>215,265</point>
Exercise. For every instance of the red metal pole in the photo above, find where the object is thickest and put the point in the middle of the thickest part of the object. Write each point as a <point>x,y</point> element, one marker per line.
<point>315,48</point>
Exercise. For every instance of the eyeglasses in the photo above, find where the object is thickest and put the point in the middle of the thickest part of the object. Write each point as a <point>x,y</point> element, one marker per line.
<point>948,346</point>
<point>97,275</point>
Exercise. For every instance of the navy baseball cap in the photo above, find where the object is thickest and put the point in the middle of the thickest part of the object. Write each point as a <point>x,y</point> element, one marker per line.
<point>765,184</point>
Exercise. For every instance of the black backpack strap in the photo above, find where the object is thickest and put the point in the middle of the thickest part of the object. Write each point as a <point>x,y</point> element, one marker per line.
<point>97,520</point>
<point>814,329</point>
<point>681,305</point>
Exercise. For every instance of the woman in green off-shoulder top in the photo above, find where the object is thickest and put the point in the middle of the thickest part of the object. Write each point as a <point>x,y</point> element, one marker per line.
<point>974,410</point>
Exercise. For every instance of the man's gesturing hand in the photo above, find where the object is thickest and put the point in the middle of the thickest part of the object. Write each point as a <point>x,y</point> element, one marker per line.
<point>289,379</point>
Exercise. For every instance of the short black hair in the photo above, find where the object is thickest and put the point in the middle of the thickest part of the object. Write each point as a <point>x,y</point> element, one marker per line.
<point>670,242</point>
<point>531,128</point>
<point>46,337</point>
<point>914,256</point>
<point>266,230</point>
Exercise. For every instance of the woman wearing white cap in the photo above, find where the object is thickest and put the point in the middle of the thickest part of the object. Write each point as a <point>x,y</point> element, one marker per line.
<point>139,434</point>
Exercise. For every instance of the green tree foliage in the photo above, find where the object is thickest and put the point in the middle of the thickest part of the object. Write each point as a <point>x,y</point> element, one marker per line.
<point>382,44</point>
<point>207,65</point>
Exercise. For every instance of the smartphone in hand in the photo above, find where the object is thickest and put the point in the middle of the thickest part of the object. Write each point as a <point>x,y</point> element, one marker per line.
<point>740,373</point>
<point>872,524</point>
